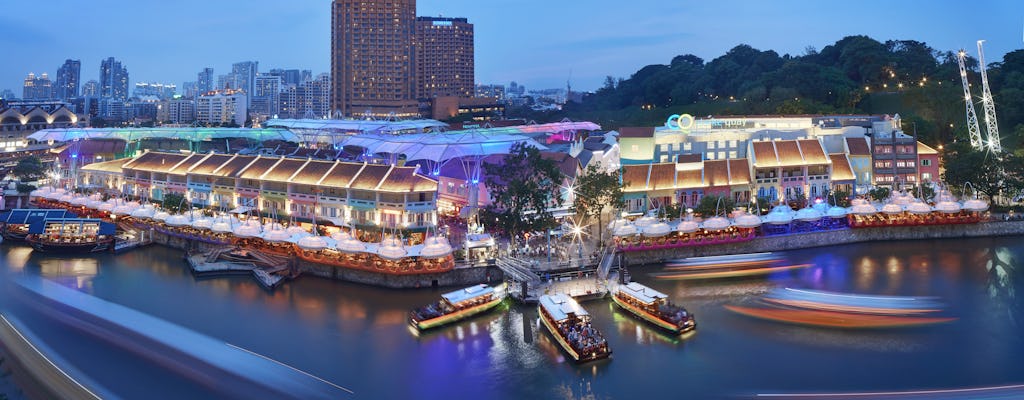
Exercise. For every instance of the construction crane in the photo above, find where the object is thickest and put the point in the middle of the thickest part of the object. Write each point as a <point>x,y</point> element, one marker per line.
<point>991,125</point>
<point>973,130</point>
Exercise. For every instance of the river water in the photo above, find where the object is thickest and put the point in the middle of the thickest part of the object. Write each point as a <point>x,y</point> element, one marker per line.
<point>357,336</point>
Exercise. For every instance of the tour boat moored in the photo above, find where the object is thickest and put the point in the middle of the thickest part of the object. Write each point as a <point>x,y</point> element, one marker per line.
<point>653,306</point>
<point>457,305</point>
<point>16,222</point>
<point>570,325</point>
<point>71,235</point>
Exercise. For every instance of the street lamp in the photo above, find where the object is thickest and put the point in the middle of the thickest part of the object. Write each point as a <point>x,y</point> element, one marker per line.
<point>576,230</point>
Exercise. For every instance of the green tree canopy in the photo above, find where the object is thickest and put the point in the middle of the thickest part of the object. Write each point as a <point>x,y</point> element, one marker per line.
<point>29,169</point>
<point>597,191</point>
<point>174,202</point>
<point>523,188</point>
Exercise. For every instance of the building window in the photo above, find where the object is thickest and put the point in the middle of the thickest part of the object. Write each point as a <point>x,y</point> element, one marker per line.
<point>926,163</point>
<point>687,146</point>
<point>926,176</point>
<point>634,148</point>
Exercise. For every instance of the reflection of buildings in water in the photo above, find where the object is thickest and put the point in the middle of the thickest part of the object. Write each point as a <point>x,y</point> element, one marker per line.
<point>17,258</point>
<point>390,318</point>
<point>1001,270</point>
<point>579,391</point>
<point>350,313</point>
<point>76,271</point>
<point>865,274</point>
<point>643,332</point>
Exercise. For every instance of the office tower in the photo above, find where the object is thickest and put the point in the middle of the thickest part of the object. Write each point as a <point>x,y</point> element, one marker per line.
<point>91,89</point>
<point>444,57</point>
<point>204,80</point>
<point>245,77</point>
<point>113,80</point>
<point>372,57</point>
<point>37,88</point>
<point>68,80</point>
<point>221,107</point>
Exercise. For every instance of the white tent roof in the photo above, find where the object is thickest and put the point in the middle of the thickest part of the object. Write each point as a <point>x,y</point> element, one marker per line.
<point>195,134</point>
<point>440,146</point>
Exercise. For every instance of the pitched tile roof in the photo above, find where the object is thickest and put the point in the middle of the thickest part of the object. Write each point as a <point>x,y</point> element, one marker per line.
<point>841,170</point>
<point>370,177</point>
<point>257,168</point>
<point>209,163</point>
<point>764,155</point>
<point>405,179</point>
<point>925,149</point>
<point>812,151</point>
<point>716,172</point>
<point>858,146</point>
<point>663,176</point>
<point>634,177</point>
<point>284,169</point>
<point>313,172</point>
<point>155,161</point>
<point>106,166</point>
<point>789,153</point>
<point>692,179</point>
<point>739,171</point>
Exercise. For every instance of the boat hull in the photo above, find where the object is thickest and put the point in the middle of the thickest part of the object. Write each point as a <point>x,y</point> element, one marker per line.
<point>565,345</point>
<point>665,325</point>
<point>77,248</point>
<point>456,316</point>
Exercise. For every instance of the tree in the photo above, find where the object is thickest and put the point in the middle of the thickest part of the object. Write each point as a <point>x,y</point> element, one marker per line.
<point>174,202</point>
<point>839,198</point>
<point>982,169</point>
<point>709,206</point>
<point>29,169</point>
<point>25,188</point>
<point>523,188</point>
<point>597,191</point>
<point>879,193</point>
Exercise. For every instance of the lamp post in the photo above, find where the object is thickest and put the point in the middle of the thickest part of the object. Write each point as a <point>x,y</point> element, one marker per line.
<point>577,231</point>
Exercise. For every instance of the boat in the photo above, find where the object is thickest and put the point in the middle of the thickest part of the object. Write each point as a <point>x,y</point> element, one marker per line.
<point>836,319</point>
<point>16,222</point>
<point>570,325</point>
<point>727,272</point>
<point>71,235</point>
<point>853,303</point>
<point>456,306</point>
<point>653,306</point>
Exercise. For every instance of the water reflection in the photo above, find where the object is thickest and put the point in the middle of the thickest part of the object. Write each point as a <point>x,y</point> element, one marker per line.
<point>73,272</point>
<point>642,332</point>
<point>17,258</point>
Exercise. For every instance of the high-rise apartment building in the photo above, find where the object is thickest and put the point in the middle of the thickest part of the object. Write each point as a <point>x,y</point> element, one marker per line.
<point>221,107</point>
<point>155,89</point>
<point>372,57</point>
<point>311,100</point>
<point>266,97</point>
<point>444,57</point>
<point>204,80</point>
<point>37,88</point>
<point>113,80</point>
<point>68,80</point>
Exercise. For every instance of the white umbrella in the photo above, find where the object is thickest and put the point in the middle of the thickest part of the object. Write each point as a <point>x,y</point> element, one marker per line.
<point>202,223</point>
<point>919,207</point>
<point>249,228</point>
<point>645,221</point>
<point>892,209</point>
<point>296,230</point>
<point>95,204</point>
<point>65,198</point>
<point>624,230</point>
<point>177,220</point>
<point>836,212</point>
<point>657,229</point>
<point>975,205</point>
<point>351,245</point>
<point>221,225</point>
<point>688,226</point>
<point>807,215</point>
<point>435,247</point>
<point>947,207</point>
<point>777,218</point>
<point>716,223</point>
<point>276,235</point>
<point>312,243</point>
<point>863,208</point>
<point>391,249</point>
<point>79,200</point>
<point>161,215</point>
<point>147,211</point>
<point>746,220</point>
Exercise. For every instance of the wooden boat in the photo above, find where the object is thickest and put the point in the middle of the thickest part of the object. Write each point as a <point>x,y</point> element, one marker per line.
<point>836,319</point>
<point>570,325</point>
<point>653,306</point>
<point>17,221</point>
<point>71,235</point>
<point>456,306</point>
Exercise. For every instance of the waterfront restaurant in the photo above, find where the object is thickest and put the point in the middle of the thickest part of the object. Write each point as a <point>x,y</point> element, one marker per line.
<point>366,195</point>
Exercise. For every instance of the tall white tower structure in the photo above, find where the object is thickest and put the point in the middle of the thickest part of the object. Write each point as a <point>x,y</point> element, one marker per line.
<point>973,131</point>
<point>991,125</point>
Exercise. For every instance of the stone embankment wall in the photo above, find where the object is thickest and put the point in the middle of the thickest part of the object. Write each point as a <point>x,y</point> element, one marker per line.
<point>457,277</point>
<point>828,238</point>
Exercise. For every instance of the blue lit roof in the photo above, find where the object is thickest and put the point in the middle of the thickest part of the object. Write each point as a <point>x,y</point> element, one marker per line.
<point>194,134</point>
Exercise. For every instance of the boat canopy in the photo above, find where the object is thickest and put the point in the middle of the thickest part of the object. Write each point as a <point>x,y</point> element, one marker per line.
<point>560,305</point>
<point>471,292</point>
<point>642,293</point>
<point>26,216</point>
<point>105,228</point>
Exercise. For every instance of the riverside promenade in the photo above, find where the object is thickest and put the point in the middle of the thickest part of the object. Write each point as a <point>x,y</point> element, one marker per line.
<point>796,241</point>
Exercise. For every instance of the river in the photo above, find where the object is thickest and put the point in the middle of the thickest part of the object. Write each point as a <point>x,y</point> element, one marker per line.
<point>357,336</point>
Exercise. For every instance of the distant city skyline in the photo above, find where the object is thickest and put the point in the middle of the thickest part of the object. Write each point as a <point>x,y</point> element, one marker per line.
<point>537,44</point>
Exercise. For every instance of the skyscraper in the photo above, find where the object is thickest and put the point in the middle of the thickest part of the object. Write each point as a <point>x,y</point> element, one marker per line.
<point>204,81</point>
<point>68,80</point>
<point>37,88</point>
<point>444,57</point>
<point>245,77</point>
<point>372,57</point>
<point>91,89</point>
<point>113,80</point>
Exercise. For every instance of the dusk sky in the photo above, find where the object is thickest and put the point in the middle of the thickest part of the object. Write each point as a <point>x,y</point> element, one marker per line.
<point>534,42</point>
